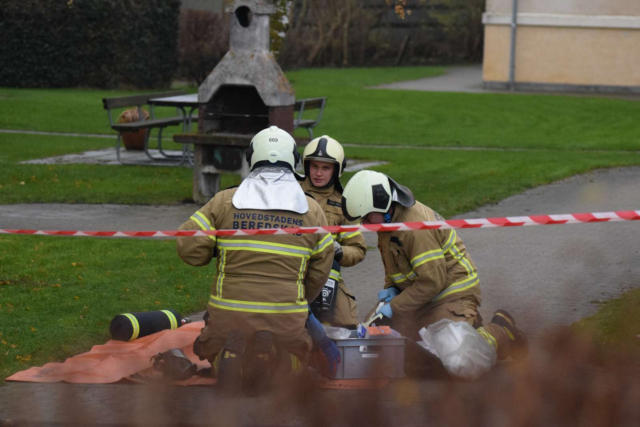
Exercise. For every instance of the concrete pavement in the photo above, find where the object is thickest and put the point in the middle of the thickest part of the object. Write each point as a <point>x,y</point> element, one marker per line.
<point>455,79</point>
<point>468,79</point>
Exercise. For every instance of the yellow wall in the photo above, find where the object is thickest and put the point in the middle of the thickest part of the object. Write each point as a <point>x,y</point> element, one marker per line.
<point>557,55</point>
<point>569,7</point>
<point>495,64</point>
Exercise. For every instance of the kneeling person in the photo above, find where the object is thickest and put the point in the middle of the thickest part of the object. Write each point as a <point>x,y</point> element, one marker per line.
<point>324,163</point>
<point>259,299</point>
<point>429,274</point>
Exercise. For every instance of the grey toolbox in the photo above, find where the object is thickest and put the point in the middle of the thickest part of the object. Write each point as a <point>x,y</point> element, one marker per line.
<point>371,357</point>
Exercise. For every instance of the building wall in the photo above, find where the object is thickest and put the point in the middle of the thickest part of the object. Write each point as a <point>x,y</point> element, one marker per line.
<point>569,7</point>
<point>565,42</point>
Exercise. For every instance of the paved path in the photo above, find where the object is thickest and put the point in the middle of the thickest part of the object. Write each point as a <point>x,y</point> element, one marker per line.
<point>468,79</point>
<point>548,276</point>
<point>456,79</point>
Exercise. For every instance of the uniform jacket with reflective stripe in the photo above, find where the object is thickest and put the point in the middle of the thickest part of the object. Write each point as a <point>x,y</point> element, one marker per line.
<point>354,248</point>
<point>429,266</point>
<point>263,282</point>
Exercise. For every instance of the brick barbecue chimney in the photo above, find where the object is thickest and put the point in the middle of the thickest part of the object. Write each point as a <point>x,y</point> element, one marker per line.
<point>245,93</point>
<point>247,81</point>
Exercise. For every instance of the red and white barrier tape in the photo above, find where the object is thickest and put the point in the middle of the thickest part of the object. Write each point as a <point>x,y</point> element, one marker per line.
<point>512,221</point>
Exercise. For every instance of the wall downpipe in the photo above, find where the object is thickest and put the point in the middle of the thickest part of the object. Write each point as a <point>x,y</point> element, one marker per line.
<point>512,54</point>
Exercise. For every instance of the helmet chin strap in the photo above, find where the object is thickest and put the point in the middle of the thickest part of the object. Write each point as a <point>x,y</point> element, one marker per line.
<point>389,214</point>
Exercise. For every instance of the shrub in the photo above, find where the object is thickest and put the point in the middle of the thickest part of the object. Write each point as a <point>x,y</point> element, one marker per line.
<point>95,43</point>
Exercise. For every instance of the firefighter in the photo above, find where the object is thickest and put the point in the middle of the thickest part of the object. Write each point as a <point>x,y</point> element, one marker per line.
<point>259,302</point>
<point>429,274</point>
<point>324,162</point>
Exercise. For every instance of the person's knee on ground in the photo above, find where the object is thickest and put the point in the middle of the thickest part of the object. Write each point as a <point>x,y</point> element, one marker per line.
<point>258,363</point>
<point>227,364</point>
<point>253,366</point>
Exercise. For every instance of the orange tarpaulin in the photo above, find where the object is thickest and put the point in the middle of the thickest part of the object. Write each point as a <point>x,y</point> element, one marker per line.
<point>117,360</point>
<point>130,361</point>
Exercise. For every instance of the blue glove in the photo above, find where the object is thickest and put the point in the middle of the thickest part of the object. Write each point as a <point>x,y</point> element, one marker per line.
<point>315,328</point>
<point>386,311</point>
<point>326,357</point>
<point>388,294</point>
<point>325,354</point>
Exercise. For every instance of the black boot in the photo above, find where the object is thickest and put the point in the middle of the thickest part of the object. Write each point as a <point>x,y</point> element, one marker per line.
<point>259,361</point>
<point>229,372</point>
<point>519,345</point>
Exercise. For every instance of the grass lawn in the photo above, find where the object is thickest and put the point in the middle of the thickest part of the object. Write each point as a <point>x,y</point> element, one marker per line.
<point>358,115</point>
<point>79,183</point>
<point>616,325</point>
<point>57,295</point>
<point>454,181</point>
<point>62,110</point>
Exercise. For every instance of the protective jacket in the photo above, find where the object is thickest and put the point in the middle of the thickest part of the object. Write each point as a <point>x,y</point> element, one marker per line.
<point>263,282</point>
<point>353,245</point>
<point>430,267</point>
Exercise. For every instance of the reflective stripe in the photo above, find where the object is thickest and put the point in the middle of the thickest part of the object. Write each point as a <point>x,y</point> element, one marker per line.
<point>504,317</point>
<point>296,364</point>
<point>347,235</point>
<point>265,247</point>
<point>261,246</point>
<point>335,275</point>
<point>222,257</point>
<point>172,319</point>
<point>487,336</point>
<point>460,257</point>
<point>134,324</point>
<point>460,286</point>
<point>450,241</point>
<point>299,282</point>
<point>203,222</point>
<point>322,244</point>
<point>509,334</point>
<point>399,277</point>
<point>426,257</point>
<point>258,307</point>
<point>216,361</point>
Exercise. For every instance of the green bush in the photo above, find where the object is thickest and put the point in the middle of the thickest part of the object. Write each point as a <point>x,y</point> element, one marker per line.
<point>94,43</point>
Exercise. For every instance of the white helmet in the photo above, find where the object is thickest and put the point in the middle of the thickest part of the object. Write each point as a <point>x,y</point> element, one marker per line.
<point>273,147</point>
<point>324,149</point>
<point>370,191</point>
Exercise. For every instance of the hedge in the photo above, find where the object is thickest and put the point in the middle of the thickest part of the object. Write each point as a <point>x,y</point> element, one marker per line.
<point>88,43</point>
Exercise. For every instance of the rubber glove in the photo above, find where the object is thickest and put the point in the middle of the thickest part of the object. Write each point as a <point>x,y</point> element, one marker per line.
<point>388,294</point>
<point>386,311</point>
<point>325,354</point>
<point>315,328</point>
<point>337,251</point>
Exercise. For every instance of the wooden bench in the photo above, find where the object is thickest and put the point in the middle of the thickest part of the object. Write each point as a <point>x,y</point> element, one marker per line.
<point>303,105</point>
<point>139,101</point>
